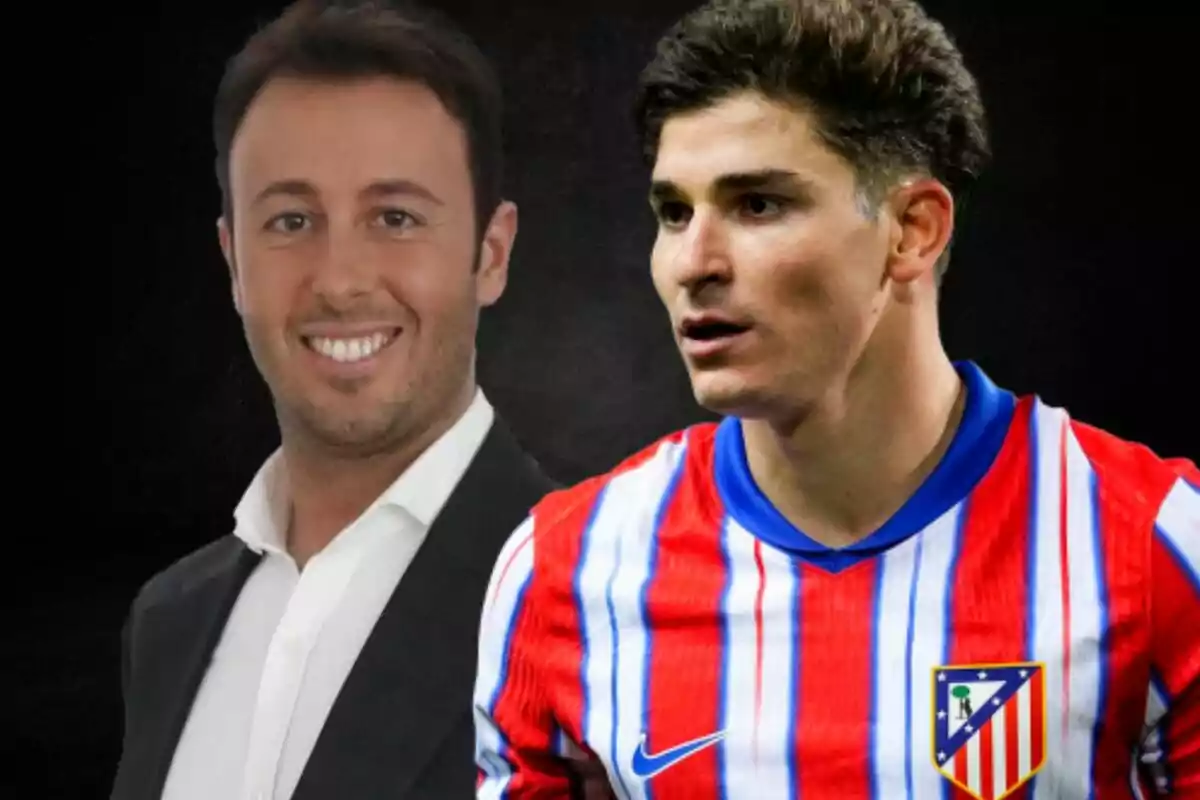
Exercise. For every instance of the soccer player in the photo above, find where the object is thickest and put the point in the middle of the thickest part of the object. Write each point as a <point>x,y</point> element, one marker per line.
<point>881,575</point>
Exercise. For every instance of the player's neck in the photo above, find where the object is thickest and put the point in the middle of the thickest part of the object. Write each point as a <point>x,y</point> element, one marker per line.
<point>853,461</point>
<point>330,490</point>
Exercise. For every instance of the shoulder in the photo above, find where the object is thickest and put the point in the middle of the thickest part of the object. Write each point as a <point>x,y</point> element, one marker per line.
<point>640,478</point>
<point>195,567</point>
<point>548,546</point>
<point>1131,478</point>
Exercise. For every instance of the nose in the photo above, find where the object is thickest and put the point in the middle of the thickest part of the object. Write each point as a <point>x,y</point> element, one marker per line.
<point>702,256</point>
<point>346,273</point>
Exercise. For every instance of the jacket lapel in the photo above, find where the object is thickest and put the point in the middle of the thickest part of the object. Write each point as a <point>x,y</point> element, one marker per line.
<point>412,683</point>
<point>174,638</point>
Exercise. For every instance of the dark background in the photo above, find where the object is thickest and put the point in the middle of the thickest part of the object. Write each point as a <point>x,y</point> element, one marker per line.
<point>1071,278</point>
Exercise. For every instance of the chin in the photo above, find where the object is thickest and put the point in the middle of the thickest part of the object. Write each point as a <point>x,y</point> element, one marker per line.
<point>729,395</point>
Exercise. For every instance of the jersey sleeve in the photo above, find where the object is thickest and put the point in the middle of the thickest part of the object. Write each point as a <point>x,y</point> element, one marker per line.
<point>516,735</point>
<point>1170,756</point>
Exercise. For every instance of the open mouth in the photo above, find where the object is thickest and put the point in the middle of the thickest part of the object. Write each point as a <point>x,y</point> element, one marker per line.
<point>711,330</point>
<point>350,350</point>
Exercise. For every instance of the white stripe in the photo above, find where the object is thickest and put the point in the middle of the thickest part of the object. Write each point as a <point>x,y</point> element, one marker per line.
<point>1000,753</point>
<point>737,761</point>
<point>891,681</point>
<point>780,644</point>
<point>1179,521</point>
<point>747,771</point>
<point>1047,585</point>
<point>974,764</point>
<point>496,623</point>
<point>618,549</point>
<point>1087,605</point>
<point>938,545</point>
<point>1025,730</point>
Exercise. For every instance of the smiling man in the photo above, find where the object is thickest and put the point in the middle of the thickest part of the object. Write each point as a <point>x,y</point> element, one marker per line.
<point>326,648</point>
<point>881,575</point>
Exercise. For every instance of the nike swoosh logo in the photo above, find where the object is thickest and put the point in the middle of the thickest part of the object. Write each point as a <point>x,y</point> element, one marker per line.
<point>646,766</point>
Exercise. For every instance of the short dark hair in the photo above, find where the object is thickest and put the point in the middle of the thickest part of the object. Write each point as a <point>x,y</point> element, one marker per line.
<point>327,39</point>
<point>887,87</point>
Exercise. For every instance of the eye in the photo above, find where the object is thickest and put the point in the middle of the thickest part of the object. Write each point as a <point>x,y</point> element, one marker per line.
<point>761,206</point>
<point>287,222</point>
<point>396,219</point>
<point>673,214</point>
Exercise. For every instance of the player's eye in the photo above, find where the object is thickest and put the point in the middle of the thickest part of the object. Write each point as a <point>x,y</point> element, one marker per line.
<point>761,206</point>
<point>672,213</point>
<point>288,222</point>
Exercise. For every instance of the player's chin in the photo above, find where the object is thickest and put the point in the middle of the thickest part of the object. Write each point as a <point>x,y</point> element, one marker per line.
<point>727,392</point>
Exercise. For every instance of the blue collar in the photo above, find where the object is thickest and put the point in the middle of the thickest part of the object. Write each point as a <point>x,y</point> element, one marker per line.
<point>977,442</point>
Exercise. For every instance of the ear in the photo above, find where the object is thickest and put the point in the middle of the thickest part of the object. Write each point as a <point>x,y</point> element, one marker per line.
<point>491,274</point>
<point>225,237</point>
<point>924,221</point>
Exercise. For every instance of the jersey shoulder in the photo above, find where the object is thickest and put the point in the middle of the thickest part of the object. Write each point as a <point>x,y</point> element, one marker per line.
<point>563,517</point>
<point>1131,477</point>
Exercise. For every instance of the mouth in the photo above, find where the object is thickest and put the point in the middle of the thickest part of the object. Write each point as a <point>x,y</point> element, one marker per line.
<point>708,329</point>
<point>351,349</point>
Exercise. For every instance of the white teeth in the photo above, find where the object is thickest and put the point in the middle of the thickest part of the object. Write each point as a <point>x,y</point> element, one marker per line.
<point>347,351</point>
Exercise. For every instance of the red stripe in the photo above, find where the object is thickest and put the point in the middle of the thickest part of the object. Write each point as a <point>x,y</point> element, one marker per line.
<point>1131,484</point>
<point>960,770</point>
<point>1012,743</point>
<point>837,614</point>
<point>1037,718</point>
<point>683,604</point>
<point>987,761</point>
<point>560,521</point>
<point>990,586</point>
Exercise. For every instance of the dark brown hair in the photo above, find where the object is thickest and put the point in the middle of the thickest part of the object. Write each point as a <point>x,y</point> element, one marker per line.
<point>347,40</point>
<point>888,89</point>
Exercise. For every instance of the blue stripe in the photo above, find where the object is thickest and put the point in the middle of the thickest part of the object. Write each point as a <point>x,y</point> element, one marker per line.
<point>664,504</point>
<point>585,546</point>
<point>1031,599</point>
<point>908,668</point>
<point>726,647</point>
<point>872,725</point>
<point>614,706</point>
<point>948,601</point>
<point>1105,634</point>
<point>793,690</point>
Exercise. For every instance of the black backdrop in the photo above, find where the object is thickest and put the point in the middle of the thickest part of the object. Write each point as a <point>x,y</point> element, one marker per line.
<point>1071,278</point>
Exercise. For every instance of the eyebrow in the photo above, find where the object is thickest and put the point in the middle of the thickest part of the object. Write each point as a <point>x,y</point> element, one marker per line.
<point>383,188</point>
<point>664,190</point>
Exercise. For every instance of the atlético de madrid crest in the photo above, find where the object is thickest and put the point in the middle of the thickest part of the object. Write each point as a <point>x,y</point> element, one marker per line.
<point>989,726</point>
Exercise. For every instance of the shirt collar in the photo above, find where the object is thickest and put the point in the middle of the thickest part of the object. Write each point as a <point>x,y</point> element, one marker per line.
<point>421,490</point>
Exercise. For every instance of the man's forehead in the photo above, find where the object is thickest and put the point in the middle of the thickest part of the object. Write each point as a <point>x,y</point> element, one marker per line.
<point>354,135</point>
<point>741,135</point>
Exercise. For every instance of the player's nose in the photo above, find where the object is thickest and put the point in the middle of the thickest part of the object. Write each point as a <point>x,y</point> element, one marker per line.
<point>703,255</point>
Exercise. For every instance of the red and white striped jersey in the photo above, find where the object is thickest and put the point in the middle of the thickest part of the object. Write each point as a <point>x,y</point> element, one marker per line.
<point>1027,625</point>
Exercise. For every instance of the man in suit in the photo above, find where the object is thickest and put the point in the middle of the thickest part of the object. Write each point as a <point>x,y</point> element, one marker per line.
<point>326,648</point>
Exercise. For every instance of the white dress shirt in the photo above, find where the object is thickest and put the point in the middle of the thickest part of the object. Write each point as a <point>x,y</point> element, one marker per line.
<point>293,635</point>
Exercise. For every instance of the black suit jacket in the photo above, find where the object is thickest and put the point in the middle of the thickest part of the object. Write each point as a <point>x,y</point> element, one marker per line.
<point>401,726</point>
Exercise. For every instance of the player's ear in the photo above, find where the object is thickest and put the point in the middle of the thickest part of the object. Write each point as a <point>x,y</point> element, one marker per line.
<point>491,273</point>
<point>923,215</point>
<point>225,238</point>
